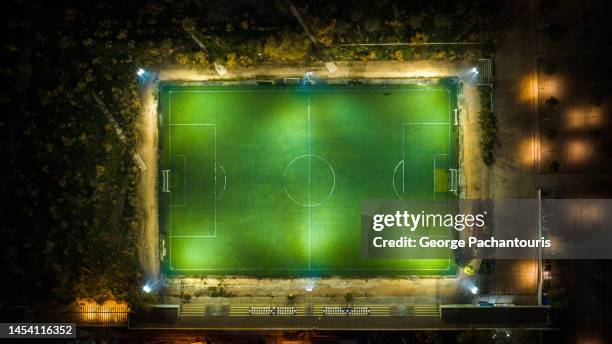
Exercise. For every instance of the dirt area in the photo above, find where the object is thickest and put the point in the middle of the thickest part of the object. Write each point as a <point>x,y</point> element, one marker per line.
<point>419,290</point>
<point>474,177</point>
<point>148,209</point>
<point>373,69</point>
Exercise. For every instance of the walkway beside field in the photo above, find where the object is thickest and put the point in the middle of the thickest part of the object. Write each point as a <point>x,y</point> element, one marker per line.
<point>148,204</point>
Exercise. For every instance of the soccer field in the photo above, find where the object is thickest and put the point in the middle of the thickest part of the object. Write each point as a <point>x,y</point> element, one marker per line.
<point>269,180</point>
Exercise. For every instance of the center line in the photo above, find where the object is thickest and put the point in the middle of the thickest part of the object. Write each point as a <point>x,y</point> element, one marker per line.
<point>309,202</point>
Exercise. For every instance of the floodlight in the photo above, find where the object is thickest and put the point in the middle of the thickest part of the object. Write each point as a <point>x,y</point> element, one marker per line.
<point>140,72</point>
<point>475,70</point>
<point>474,290</point>
<point>146,288</point>
<point>310,284</point>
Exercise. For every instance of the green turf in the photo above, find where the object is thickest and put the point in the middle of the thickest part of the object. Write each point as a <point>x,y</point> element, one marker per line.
<point>269,180</point>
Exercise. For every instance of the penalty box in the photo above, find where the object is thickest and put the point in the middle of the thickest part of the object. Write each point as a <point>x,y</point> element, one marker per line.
<point>190,165</point>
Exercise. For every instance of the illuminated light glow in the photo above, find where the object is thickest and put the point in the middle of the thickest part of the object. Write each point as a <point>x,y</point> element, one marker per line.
<point>475,70</point>
<point>93,313</point>
<point>310,284</point>
<point>474,290</point>
<point>577,118</point>
<point>146,288</point>
<point>574,119</point>
<point>527,151</point>
<point>528,86</point>
<point>594,118</point>
<point>578,151</point>
<point>141,72</point>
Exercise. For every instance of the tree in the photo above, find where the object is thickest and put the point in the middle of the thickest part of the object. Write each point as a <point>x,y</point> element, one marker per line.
<point>325,35</point>
<point>182,58</point>
<point>231,60</point>
<point>554,32</point>
<point>428,337</point>
<point>200,57</point>
<point>552,101</point>
<point>419,37</point>
<point>552,167</point>
<point>549,69</point>
<point>472,336</point>
<point>288,47</point>
<point>398,55</point>
<point>188,24</point>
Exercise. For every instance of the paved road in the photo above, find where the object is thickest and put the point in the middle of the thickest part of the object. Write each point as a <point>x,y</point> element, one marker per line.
<point>513,175</point>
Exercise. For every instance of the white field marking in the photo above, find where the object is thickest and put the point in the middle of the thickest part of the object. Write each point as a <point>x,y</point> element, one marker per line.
<point>426,123</point>
<point>401,162</point>
<point>194,236</point>
<point>260,90</point>
<point>224,180</point>
<point>448,105</point>
<point>456,121</point>
<point>166,181</point>
<point>449,145</point>
<point>291,80</point>
<point>307,90</point>
<point>449,127</point>
<point>453,178</point>
<point>313,269</point>
<point>404,144</point>
<point>192,124</point>
<point>330,192</point>
<point>184,191</point>
<point>170,124</point>
<point>170,154</point>
<point>434,176</point>
<point>435,155</point>
<point>215,182</point>
<point>309,183</point>
<point>184,180</point>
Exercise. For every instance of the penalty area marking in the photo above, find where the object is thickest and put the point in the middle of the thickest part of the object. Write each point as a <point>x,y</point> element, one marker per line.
<point>170,125</point>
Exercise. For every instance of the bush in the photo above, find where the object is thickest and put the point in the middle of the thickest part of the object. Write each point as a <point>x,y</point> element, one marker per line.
<point>220,290</point>
<point>488,126</point>
<point>348,298</point>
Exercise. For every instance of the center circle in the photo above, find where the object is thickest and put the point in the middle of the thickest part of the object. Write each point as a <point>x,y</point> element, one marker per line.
<point>309,180</point>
